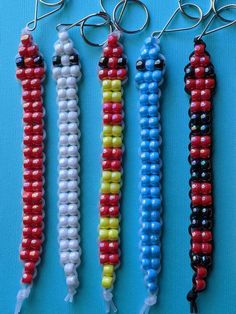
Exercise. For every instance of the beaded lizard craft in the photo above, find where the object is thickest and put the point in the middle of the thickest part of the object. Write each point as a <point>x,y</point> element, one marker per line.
<point>66,72</point>
<point>200,84</point>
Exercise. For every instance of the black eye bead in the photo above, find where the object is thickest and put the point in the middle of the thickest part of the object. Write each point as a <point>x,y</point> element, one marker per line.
<point>205,129</point>
<point>209,70</point>
<point>205,164</point>
<point>206,224</point>
<point>195,259</point>
<point>195,164</point>
<point>56,61</point>
<point>38,60</point>
<point>196,211</point>
<point>206,212</point>
<point>140,65</point>
<point>74,59</point>
<point>103,62</point>
<point>20,62</point>
<point>205,176</point>
<point>194,174</point>
<point>122,62</point>
<point>206,260</point>
<point>195,118</point>
<point>159,64</point>
<point>205,118</point>
<point>189,71</point>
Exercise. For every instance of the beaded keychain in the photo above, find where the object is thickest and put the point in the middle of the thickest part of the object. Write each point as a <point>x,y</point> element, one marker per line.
<point>31,72</point>
<point>150,76</point>
<point>66,71</point>
<point>200,82</point>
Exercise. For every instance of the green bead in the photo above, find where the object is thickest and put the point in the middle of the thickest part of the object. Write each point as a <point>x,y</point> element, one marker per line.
<point>114,223</point>
<point>116,142</point>
<point>107,141</point>
<point>106,176</point>
<point>108,270</point>
<point>116,85</point>
<point>104,223</point>
<point>105,187</point>
<point>107,96</point>
<point>115,188</point>
<point>115,176</point>
<point>107,130</point>
<point>116,96</point>
<point>103,234</point>
<point>107,282</point>
<point>117,130</point>
<point>107,85</point>
<point>113,235</point>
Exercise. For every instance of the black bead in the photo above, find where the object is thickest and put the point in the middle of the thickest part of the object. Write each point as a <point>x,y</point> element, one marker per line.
<point>195,174</point>
<point>205,176</point>
<point>206,260</point>
<point>194,128</point>
<point>74,59</point>
<point>56,61</point>
<point>38,60</point>
<point>195,118</point>
<point>209,70</point>
<point>195,259</point>
<point>199,41</point>
<point>189,71</point>
<point>205,164</point>
<point>205,129</point>
<point>103,62</point>
<point>206,212</point>
<point>159,64</point>
<point>195,223</point>
<point>20,62</point>
<point>140,65</point>
<point>205,118</point>
<point>196,211</point>
<point>122,62</point>
<point>206,223</point>
<point>195,164</point>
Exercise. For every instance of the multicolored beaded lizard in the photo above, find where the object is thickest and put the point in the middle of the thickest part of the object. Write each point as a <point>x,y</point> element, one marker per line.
<point>66,72</point>
<point>200,83</point>
<point>31,71</point>
<point>112,73</point>
<point>151,69</point>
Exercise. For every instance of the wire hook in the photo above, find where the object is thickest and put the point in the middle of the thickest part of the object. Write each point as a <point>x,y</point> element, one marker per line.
<point>58,4</point>
<point>158,34</point>
<point>181,5</point>
<point>217,12</point>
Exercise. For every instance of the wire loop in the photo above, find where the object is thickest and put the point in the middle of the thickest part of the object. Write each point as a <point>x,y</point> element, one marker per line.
<point>181,6</point>
<point>217,12</point>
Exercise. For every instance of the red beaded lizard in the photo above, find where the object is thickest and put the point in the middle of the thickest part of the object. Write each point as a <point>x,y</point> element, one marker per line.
<point>200,84</point>
<point>31,71</point>
<point>112,73</point>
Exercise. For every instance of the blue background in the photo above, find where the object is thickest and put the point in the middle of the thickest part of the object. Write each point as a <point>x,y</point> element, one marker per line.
<point>175,280</point>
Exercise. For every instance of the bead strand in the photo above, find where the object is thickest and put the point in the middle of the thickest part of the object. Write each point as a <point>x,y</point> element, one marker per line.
<point>151,68</point>
<point>112,73</point>
<point>30,72</point>
<point>200,84</point>
<point>67,72</point>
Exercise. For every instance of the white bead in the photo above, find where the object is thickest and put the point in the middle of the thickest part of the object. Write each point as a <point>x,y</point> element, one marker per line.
<point>72,162</point>
<point>72,185</point>
<point>56,73</point>
<point>63,233</point>
<point>64,257</point>
<point>75,71</point>
<point>62,104</point>
<point>61,93</point>
<point>72,233</point>
<point>63,117</point>
<point>72,105</point>
<point>65,71</point>
<point>63,221</point>
<point>73,128</point>
<point>73,209</point>
<point>72,174</point>
<point>72,221</point>
<point>65,60</point>
<point>63,209</point>
<point>63,139</point>
<point>73,151</point>
<point>64,245</point>
<point>72,281</point>
<point>69,268</point>
<point>59,49</point>
<point>74,257</point>
<point>63,162</point>
<point>73,139</point>
<point>63,175</point>
<point>68,48</point>
<point>71,81</point>
<point>73,116</point>
<point>74,245</point>
<point>63,197</point>
<point>63,35</point>
<point>61,82</point>
<point>63,151</point>
<point>72,197</point>
<point>63,128</point>
<point>63,186</point>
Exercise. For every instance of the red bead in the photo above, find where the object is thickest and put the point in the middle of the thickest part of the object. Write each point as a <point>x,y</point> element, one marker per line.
<point>36,117</point>
<point>112,62</point>
<point>26,242</point>
<point>195,61</point>
<point>114,199</point>
<point>196,248</point>
<point>30,267</point>
<point>195,106</point>
<point>34,256</point>
<point>199,49</point>
<point>33,152</point>
<point>195,153</point>
<point>112,74</point>
<point>112,40</point>
<point>29,73</point>
<point>104,247</point>
<point>39,72</point>
<point>27,278</point>
<point>23,51</point>
<point>104,199</point>
<point>26,95</point>
<point>103,74</point>
<point>206,200</point>
<point>113,247</point>
<point>33,209</point>
<point>20,74</point>
<point>107,153</point>
<point>117,118</point>
<point>116,165</point>
<point>26,39</point>
<point>33,220</point>
<point>199,72</point>
<point>33,175</point>
<point>205,153</point>
<point>32,197</point>
<point>35,83</point>
<point>196,95</point>
<point>205,141</point>
<point>29,62</point>
<point>206,236</point>
<point>200,84</point>
<point>206,248</point>
<point>104,211</point>
<point>196,200</point>
<point>37,233</point>
<point>107,51</point>
<point>114,211</point>
<point>107,118</point>
<point>200,284</point>
<point>196,236</point>
<point>195,141</point>
<point>33,129</point>
<point>201,272</point>
<point>36,106</point>
<point>104,258</point>
<point>117,51</point>
<point>26,84</point>
<point>196,188</point>
<point>36,95</point>
<point>117,107</point>
<point>106,165</point>
<point>209,83</point>
<point>27,232</point>
<point>122,74</point>
<point>35,140</point>
<point>32,50</point>
<point>206,188</point>
<point>107,107</point>
<point>36,244</point>
<point>190,84</point>
<point>117,153</point>
<point>205,60</point>
<point>114,259</point>
<point>24,255</point>
<point>205,94</point>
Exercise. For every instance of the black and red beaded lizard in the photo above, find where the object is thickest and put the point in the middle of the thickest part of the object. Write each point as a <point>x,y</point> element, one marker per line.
<point>200,83</point>
<point>31,71</point>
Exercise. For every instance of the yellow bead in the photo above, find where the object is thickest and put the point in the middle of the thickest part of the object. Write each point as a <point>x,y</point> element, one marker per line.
<point>115,176</point>
<point>114,223</point>
<point>104,223</point>
<point>107,96</point>
<point>116,96</point>
<point>107,282</point>
<point>103,234</point>
<point>116,142</point>
<point>106,176</point>
<point>113,234</point>
<point>106,85</point>
<point>115,188</point>
<point>105,187</point>
<point>117,130</point>
<point>107,130</point>
<point>107,141</point>
<point>108,270</point>
<point>116,85</point>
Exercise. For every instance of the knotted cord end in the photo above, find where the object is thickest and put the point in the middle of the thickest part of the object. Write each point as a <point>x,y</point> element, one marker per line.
<point>149,302</point>
<point>108,297</point>
<point>191,297</point>
<point>21,296</point>
<point>70,296</point>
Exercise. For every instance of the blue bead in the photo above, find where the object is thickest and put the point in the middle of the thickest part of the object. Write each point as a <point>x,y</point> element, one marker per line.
<point>155,168</point>
<point>145,169</point>
<point>154,133</point>
<point>144,87</point>
<point>154,146</point>
<point>153,122</point>
<point>156,203</point>
<point>155,215</point>
<point>157,76</point>
<point>155,191</point>
<point>146,203</point>
<point>156,263</point>
<point>145,191</point>
<point>155,239</point>
<point>153,110</point>
<point>143,111</point>
<point>146,251</point>
<point>146,263</point>
<point>144,122</point>
<point>150,41</point>
<point>146,228</point>
<point>156,227</point>
<point>139,78</point>
<point>146,217</point>
<point>152,287</point>
<point>154,180</point>
<point>154,157</point>
<point>143,99</point>
<point>148,76</point>
<point>156,251</point>
<point>149,64</point>
<point>145,157</point>
<point>145,134</point>
<point>151,275</point>
<point>145,146</point>
<point>153,88</point>
<point>144,54</point>
<point>153,99</point>
<point>145,180</point>
<point>154,52</point>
